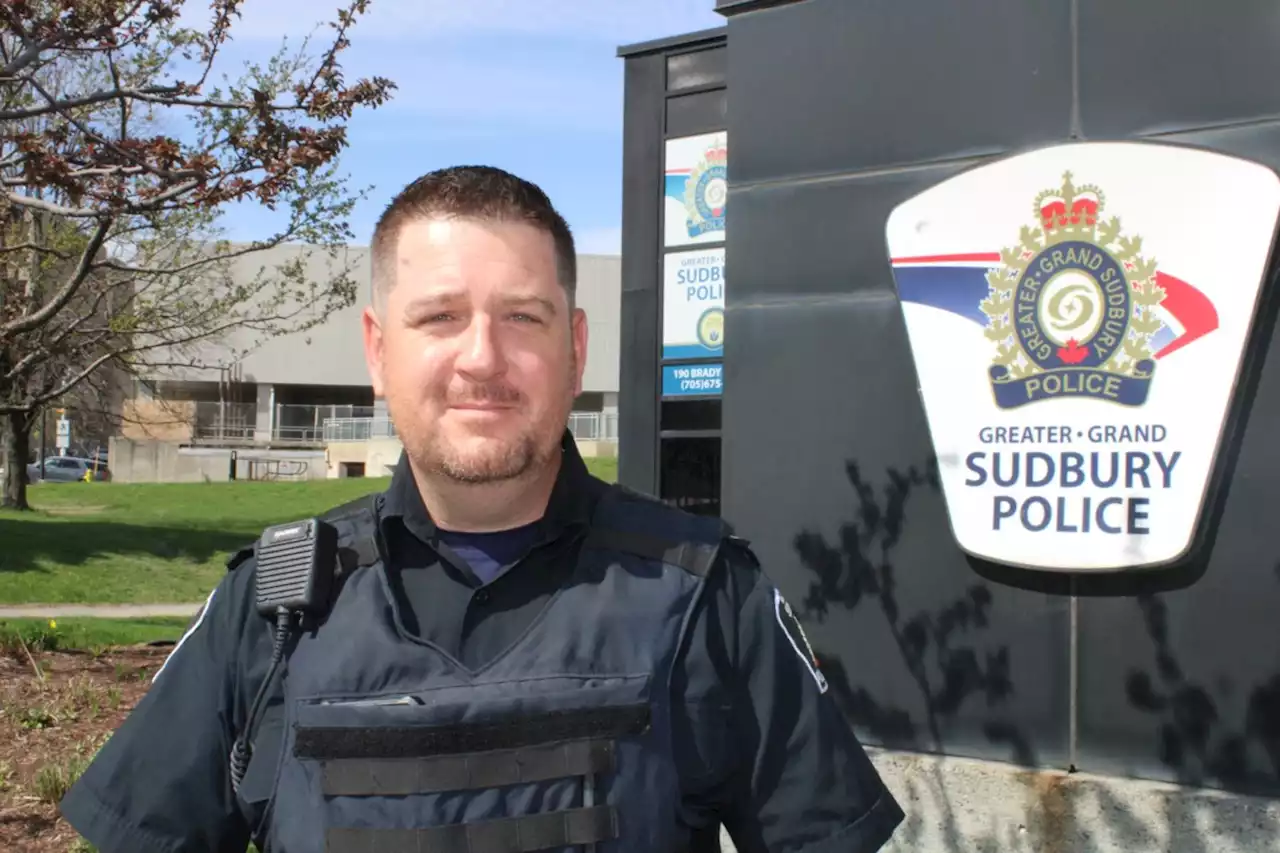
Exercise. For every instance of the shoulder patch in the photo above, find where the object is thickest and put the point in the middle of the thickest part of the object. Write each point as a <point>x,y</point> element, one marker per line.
<point>795,635</point>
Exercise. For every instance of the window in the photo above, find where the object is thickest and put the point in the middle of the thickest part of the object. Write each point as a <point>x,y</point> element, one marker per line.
<point>690,415</point>
<point>689,474</point>
<point>697,68</point>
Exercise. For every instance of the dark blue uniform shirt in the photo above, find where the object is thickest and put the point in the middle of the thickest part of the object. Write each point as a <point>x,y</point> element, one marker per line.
<point>798,780</point>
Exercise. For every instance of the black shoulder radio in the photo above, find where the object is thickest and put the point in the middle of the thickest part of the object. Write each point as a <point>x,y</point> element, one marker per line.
<point>295,568</point>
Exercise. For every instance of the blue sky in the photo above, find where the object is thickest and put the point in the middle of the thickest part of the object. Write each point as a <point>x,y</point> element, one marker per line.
<point>533,86</point>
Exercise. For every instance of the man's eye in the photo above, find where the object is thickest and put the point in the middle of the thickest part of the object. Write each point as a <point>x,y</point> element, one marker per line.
<point>526,318</point>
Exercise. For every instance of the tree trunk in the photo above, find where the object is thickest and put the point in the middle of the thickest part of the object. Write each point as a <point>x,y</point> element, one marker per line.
<point>17,445</point>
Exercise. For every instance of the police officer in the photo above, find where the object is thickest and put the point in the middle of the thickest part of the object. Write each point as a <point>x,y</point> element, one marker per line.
<point>512,655</point>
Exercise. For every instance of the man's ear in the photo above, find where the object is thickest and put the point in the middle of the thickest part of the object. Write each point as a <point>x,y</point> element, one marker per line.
<point>371,324</point>
<point>578,327</point>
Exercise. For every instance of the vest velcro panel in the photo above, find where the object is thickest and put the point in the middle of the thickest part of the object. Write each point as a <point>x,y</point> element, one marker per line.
<point>398,777</point>
<point>505,835</point>
<point>316,742</point>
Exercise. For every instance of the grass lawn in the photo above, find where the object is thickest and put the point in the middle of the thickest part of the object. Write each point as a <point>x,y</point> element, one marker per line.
<point>152,543</point>
<point>89,634</point>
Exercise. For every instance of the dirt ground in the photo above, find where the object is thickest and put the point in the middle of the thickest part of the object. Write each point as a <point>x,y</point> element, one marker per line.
<point>51,724</point>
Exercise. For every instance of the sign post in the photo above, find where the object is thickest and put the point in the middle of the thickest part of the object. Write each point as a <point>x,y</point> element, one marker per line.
<point>64,432</point>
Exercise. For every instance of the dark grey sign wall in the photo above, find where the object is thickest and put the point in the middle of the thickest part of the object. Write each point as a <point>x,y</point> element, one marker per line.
<point>674,88</point>
<point>837,111</point>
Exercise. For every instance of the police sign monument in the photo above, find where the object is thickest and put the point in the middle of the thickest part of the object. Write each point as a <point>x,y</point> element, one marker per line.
<point>1077,316</point>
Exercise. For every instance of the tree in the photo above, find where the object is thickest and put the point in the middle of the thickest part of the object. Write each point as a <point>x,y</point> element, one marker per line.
<point>118,158</point>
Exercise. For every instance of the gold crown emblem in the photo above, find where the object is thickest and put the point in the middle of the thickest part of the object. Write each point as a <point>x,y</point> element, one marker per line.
<point>1069,211</point>
<point>717,155</point>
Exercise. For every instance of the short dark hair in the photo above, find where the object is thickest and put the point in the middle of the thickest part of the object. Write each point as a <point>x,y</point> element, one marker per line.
<point>484,193</point>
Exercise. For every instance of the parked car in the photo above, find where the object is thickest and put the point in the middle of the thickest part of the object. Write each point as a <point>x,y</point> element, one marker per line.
<point>68,469</point>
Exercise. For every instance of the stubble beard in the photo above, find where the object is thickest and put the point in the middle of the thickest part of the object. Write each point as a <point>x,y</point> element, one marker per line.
<point>496,460</point>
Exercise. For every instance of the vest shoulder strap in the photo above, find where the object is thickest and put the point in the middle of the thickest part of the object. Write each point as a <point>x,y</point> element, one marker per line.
<point>240,555</point>
<point>635,523</point>
<point>357,525</point>
<point>359,543</point>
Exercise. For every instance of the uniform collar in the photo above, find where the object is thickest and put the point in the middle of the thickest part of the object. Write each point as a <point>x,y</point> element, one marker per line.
<point>573,498</point>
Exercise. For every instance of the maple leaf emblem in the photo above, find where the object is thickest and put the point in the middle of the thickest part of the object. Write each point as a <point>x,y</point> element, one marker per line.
<point>1072,353</point>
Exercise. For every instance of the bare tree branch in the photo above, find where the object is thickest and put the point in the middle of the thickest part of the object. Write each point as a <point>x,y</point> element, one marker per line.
<point>59,105</point>
<point>179,269</point>
<point>63,296</point>
<point>20,200</point>
<point>66,386</point>
<point>32,246</point>
<point>30,53</point>
<point>24,364</point>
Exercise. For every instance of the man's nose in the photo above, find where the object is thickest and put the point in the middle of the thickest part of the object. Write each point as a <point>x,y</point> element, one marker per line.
<point>481,356</point>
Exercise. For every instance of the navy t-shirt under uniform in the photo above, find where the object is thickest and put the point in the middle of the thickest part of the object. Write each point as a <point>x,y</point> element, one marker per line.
<point>488,555</point>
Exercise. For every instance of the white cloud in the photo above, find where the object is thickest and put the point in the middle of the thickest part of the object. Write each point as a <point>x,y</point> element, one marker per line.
<point>617,21</point>
<point>599,241</point>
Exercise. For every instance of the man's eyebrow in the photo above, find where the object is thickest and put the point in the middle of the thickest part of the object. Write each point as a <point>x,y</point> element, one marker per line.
<point>518,301</point>
<point>434,301</point>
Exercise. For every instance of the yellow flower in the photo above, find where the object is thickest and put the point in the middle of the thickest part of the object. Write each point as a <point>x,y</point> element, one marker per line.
<point>53,623</point>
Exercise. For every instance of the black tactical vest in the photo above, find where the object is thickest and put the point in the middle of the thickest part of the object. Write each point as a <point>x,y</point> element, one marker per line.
<point>564,742</point>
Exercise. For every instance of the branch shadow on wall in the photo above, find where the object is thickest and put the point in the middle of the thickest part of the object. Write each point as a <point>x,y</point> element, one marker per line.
<point>1200,748</point>
<point>1196,744</point>
<point>941,650</point>
<point>933,643</point>
<point>938,646</point>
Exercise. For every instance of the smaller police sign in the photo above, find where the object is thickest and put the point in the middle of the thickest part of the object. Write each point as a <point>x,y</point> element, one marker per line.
<point>1077,317</point>
<point>693,304</point>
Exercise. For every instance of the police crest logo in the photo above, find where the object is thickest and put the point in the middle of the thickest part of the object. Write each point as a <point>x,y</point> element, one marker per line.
<point>707,191</point>
<point>695,189</point>
<point>1072,309</point>
<point>1077,317</point>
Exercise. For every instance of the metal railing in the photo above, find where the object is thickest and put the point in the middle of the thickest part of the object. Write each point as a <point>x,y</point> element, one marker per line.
<point>594,426</point>
<point>358,429</point>
<point>585,426</point>
<point>294,422</point>
<point>224,421</point>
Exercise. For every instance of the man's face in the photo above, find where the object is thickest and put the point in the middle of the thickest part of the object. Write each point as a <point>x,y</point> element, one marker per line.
<point>476,351</point>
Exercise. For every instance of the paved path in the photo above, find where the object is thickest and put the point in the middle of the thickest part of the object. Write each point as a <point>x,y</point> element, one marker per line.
<point>106,611</point>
